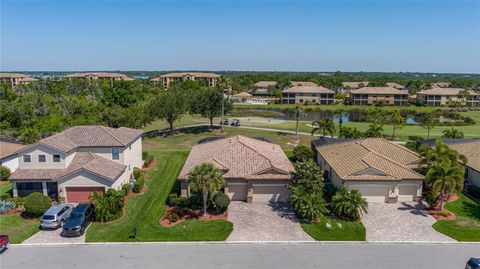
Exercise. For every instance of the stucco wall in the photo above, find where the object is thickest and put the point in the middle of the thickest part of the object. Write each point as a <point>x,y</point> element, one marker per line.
<point>104,152</point>
<point>132,155</point>
<point>10,162</point>
<point>473,177</point>
<point>86,179</point>
<point>37,150</point>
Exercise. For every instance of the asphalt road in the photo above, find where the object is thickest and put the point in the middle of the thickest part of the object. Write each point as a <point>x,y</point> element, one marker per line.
<point>157,255</point>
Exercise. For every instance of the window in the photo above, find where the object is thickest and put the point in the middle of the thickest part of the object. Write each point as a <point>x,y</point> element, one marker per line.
<point>115,154</point>
<point>27,159</point>
<point>42,158</point>
<point>56,158</point>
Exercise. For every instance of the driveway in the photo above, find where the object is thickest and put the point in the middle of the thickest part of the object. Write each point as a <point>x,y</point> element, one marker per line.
<point>264,222</point>
<point>405,221</point>
<point>53,236</point>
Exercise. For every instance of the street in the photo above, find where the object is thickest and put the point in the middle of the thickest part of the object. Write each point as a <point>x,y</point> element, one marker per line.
<point>279,255</point>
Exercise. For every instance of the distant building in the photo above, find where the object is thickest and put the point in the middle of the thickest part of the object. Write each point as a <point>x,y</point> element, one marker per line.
<point>302,83</point>
<point>265,84</point>
<point>354,85</point>
<point>395,86</point>
<point>15,79</point>
<point>440,85</point>
<point>102,76</point>
<point>308,94</point>
<point>165,80</point>
<point>443,96</point>
<point>372,95</point>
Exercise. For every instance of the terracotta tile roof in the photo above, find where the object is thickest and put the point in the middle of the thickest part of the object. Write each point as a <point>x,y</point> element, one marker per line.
<point>91,136</point>
<point>242,94</point>
<point>266,83</point>
<point>241,157</point>
<point>303,83</point>
<point>97,74</point>
<point>395,85</point>
<point>445,91</point>
<point>308,89</point>
<point>8,149</point>
<point>195,74</point>
<point>378,90</point>
<point>470,147</point>
<point>371,159</point>
<point>85,161</point>
<point>355,85</point>
<point>440,84</point>
<point>13,75</point>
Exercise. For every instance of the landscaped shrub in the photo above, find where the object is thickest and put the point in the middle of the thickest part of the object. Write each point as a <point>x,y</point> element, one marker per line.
<point>221,201</point>
<point>19,203</point>
<point>443,214</point>
<point>302,153</point>
<point>349,204</point>
<point>6,206</point>
<point>125,189</point>
<point>5,196</point>
<point>36,204</point>
<point>137,172</point>
<point>474,191</point>
<point>195,201</point>
<point>431,199</point>
<point>139,182</point>
<point>148,161</point>
<point>144,155</point>
<point>4,173</point>
<point>108,206</point>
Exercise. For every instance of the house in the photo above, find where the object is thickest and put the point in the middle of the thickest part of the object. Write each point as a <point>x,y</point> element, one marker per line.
<point>354,85</point>
<point>101,76</point>
<point>265,84</point>
<point>242,97</point>
<point>74,163</point>
<point>440,85</point>
<point>395,86</point>
<point>166,79</point>
<point>381,170</point>
<point>373,95</point>
<point>443,97</point>
<point>308,95</point>
<point>8,154</point>
<point>254,169</point>
<point>15,79</point>
<point>471,149</point>
<point>302,83</point>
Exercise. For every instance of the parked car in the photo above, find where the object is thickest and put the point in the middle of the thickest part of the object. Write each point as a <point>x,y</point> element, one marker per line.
<point>78,220</point>
<point>235,122</point>
<point>473,263</point>
<point>224,122</point>
<point>4,240</point>
<point>55,216</point>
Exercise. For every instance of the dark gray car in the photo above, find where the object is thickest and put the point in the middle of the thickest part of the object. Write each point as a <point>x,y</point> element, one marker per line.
<point>55,216</point>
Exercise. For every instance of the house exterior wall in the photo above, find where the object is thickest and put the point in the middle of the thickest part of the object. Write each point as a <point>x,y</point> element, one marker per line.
<point>11,162</point>
<point>132,155</point>
<point>86,179</point>
<point>105,152</point>
<point>443,100</point>
<point>472,176</point>
<point>37,150</point>
<point>314,98</point>
<point>370,99</point>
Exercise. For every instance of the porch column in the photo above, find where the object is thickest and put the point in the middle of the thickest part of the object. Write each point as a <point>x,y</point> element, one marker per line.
<point>14,189</point>
<point>44,188</point>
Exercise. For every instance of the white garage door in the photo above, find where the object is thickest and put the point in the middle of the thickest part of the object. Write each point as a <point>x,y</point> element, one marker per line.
<point>270,193</point>
<point>407,193</point>
<point>373,193</point>
<point>237,191</point>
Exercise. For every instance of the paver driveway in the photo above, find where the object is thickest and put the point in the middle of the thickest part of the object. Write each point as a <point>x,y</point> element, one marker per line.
<point>53,236</point>
<point>405,221</point>
<point>264,222</point>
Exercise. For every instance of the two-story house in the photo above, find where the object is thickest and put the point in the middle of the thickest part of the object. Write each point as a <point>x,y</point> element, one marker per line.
<point>78,161</point>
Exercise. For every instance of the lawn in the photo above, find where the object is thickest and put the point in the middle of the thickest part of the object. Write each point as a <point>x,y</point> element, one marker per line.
<point>18,228</point>
<point>350,231</point>
<point>467,225</point>
<point>143,212</point>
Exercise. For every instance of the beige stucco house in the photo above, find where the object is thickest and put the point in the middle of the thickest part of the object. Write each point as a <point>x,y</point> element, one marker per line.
<point>102,76</point>
<point>380,170</point>
<point>372,95</point>
<point>443,97</point>
<point>302,83</point>
<point>254,170</point>
<point>165,80</point>
<point>15,79</point>
<point>74,163</point>
<point>308,94</point>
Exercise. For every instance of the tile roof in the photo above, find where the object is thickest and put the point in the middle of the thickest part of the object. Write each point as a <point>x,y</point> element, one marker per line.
<point>308,89</point>
<point>445,91</point>
<point>242,94</point>
<point>470,147</point>
<point>91,136</point>
<point>240,157</point>
<point>370,159</point>
<point>97,74</point>
<point>440,84</point>
<point>13,75</point>
<point>85,161</point>
<point>395,85</point>
<point>303,83</point>
<point>8,149</point>
<point>196,74</point>
<point>355,85</point>
<point>266,83</point>
<point>379,90</point>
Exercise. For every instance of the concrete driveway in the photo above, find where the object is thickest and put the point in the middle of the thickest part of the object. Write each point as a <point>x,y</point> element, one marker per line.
<point>264,222</point>
<point>53,236</point>
<point>405,221</point>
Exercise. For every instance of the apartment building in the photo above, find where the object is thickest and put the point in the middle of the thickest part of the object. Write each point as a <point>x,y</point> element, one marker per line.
<point>15,79</point>
<point>165,80</point>
<point>395,85</point>
<point>102,76</point>
<point>444,96</point>
<point>302,83</point>
<point>308,95</point>
<point>374,95</point>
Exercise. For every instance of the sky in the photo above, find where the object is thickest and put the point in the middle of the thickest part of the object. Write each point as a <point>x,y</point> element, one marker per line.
<point>383,36</point>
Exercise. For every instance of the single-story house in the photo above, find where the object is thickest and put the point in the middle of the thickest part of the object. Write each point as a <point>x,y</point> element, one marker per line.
<point>254,169</point>
<point>8,154</point>
<point>382,171</point>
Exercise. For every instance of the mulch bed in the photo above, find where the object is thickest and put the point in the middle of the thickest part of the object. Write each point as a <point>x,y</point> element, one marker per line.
<point>434,211</point>
<point>191,215</point>
<point>132,194</point>
<point>13,212</point>
<point>150,166</point>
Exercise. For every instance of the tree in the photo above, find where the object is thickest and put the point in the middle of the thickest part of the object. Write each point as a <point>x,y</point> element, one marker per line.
<point>348,132</point>
<point>397,121</point>
<point>170,106</point>
<point>325,125</point>
<point>349,204</point>
<point>36,204</point>
<point>4,173</point>
<point>444,177</point>
<point>107,205</point>
<point>205,178</point>
<point>439,154</point>
<point>340,114</point>
<point>208,103</point>
<point>302,153</point>
<point>428,122</point>
<point>224,83</point>
<point>299,111</point>
<point>377,118</point>
<point>452,133</point>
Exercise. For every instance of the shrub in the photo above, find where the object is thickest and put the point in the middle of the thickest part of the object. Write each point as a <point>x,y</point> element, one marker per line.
<point>19,203</point>
<point>431,199</point>
<point>221,201</point>
<point>6,206</point>
<point>4,173</point>
<point>36,204</point>
<point>108,205</point>
<point>139,182</point>
<point>302,153</point>
<point>474,191</point>
<point>195,201</point>
<point>145,155</point>
<point>443,214</point>
<point>125,189</point>
<point>148,161</point>
<point>5,196</point>
<point>137,172</point>
<point>349,204</point>
<point>173,217</point>
<point>173,200</point>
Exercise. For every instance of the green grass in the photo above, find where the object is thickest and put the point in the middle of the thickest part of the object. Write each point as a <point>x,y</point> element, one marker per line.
<point>18,228</point>
<point>467,225</point>
<point>350,231</point>
<point>145,211</point>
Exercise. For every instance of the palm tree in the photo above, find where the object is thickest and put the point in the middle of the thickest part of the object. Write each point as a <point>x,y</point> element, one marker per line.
<point>224,83</point>
<point>108,204</point>
<point>438,154</point>
<point>307,204</point>
<point>444,177</point>
<point>397,121</point>
<point>349,203</point>
<point>340,113</point>
<point>428,122</point>
<point>205,178</point>
<point>299,111</point>
<point>326,125</point>
<point>452,133</point>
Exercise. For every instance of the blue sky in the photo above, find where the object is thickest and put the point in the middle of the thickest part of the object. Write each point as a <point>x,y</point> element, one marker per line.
<point>389,36</point>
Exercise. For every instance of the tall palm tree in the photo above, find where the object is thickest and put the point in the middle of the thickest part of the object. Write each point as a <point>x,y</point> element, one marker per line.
<point>325,125</point>
<point>452,133</point>
<point>205,178</point>
<point>444,177</point>
<point>299,111</point>
<point>224,83</point>
<point>340,113</point>
<point>438,154</point>
<point>349,203</point>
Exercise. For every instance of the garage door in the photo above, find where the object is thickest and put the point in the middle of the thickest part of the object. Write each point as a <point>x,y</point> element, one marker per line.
<point>373,193</point>
<point>81,194</point>
<point>270,193</point>
<point>407,193</point>
<point>237,192</point>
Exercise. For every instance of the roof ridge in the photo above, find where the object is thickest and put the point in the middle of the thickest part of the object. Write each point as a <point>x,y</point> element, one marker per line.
<point>371,166</point>
<point>108,132</point>
<point>258,153</point>
<point>394,162</point>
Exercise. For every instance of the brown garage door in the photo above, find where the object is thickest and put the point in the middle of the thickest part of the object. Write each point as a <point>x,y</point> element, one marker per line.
<point>270,193</point>
<point>237,192</point>
<point>81,194</point>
